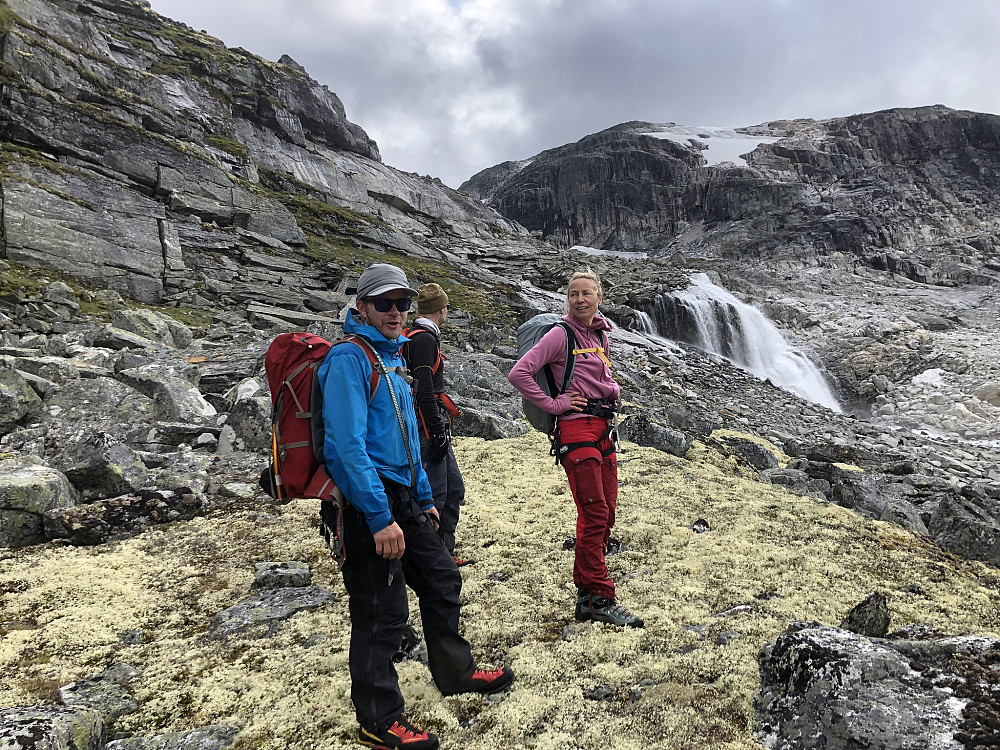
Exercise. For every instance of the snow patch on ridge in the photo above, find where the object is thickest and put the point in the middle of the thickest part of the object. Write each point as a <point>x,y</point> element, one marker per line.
<point>723,144</point>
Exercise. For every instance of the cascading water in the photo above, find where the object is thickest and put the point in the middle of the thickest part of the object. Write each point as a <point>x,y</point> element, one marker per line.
<point>710,318</point>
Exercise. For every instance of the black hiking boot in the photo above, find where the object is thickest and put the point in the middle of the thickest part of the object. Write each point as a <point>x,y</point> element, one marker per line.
<point>582,613</point>
<point>486,681</point>
<point>603,609</point>
<point>402,734</point>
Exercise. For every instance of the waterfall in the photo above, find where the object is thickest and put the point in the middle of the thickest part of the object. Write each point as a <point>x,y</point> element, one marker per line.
<point>710,318</point>
<point>644,323</point>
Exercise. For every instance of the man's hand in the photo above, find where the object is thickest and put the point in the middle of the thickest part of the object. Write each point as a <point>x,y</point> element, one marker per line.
<point>438,448</point>
<point>389,542</point>
<point>434,516</point>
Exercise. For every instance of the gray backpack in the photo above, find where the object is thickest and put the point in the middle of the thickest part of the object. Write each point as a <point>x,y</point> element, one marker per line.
<point>530,333</point>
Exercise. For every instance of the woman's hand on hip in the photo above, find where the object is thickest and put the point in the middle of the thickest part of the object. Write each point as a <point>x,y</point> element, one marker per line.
<point>577,400</point>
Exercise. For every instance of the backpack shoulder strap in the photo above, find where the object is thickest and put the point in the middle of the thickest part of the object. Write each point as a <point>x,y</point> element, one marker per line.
<point>411,332</point>
<point>570,359</point>
<point>373,379</point>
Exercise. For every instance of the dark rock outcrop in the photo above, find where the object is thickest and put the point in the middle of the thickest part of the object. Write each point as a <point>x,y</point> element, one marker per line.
<point>832,689</point>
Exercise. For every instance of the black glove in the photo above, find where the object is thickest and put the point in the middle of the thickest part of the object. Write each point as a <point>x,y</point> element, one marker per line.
<point>437,449</point>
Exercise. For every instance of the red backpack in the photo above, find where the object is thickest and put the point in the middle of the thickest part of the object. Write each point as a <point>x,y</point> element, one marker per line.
<point>297,468</point>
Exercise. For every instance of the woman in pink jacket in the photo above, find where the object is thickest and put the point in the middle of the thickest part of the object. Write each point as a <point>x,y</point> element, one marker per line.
<point>584,429</point>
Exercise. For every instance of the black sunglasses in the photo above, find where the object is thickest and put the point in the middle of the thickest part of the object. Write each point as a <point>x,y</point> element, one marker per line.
<point>384,304</point>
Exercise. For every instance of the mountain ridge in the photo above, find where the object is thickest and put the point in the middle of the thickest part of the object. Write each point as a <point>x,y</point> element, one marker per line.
<point>169,205</point>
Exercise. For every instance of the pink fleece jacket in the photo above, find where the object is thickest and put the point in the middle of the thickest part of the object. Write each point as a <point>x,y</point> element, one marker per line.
<point>591,376</point>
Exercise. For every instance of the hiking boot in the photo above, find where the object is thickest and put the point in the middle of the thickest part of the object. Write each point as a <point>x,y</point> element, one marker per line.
<point>487,681</point>
<point>610,611</point>
<point>402,734</point>
<point>582,613</point>
<point>460,561</point>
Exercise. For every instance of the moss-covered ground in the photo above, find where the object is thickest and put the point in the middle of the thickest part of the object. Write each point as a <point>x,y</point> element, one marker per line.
<point>790,558</point>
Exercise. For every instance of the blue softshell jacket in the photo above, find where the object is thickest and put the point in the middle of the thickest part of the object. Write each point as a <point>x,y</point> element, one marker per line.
<point>363,441</point>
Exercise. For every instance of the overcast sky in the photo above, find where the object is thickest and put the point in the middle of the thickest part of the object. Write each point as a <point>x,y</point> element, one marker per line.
<point>450,87</point>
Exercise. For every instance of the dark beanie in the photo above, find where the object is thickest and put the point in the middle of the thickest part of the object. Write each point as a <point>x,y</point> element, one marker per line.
<point>431,299</point>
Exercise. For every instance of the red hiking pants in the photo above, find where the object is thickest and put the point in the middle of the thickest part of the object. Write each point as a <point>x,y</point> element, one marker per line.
<point>593,479</point>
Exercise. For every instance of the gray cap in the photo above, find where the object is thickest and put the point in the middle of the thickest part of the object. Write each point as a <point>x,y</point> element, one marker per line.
<point>380,278</point>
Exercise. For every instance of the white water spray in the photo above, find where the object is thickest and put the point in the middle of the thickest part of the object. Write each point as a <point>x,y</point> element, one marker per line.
<point>709,317</point>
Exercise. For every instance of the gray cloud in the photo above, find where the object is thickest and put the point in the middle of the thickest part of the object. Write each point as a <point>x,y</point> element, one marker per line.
<point>449,87</point>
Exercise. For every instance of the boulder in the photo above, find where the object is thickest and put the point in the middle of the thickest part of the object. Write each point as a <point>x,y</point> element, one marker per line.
<point>99,403</point>
<point>112,337</point>
<point>17,398</point>
<point>752,452</point>
<point>988,392</point>
<point>51,728</point>
<point>829,689</point>
<point>640,429</point>
<point>279,575</point>
<point>869,618</point>
<point>175,397</point>
<point>151,325</point>
<point>99,522</point>
<point>106,693</point>
<point>29,489</point>
<point>968,524</point>
<point>250,423</point>
<point>487,421</point>
<point>99,466</point>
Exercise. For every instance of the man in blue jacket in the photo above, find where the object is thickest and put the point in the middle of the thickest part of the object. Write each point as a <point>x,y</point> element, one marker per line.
<point>372,450</point>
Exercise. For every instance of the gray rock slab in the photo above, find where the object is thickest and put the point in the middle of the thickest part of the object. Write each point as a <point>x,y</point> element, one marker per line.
<point>269,607</point>
<point>175,398</point>
<point>112,337</point>
<point>153,326</point>
<point>118,246</point>
<point>106,693</point>
<point>203,738</point>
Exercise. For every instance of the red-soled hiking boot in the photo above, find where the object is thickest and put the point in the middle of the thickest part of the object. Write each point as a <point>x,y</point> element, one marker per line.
<point>402,734</point>
<point>487,681</point>
<point>460,561</point>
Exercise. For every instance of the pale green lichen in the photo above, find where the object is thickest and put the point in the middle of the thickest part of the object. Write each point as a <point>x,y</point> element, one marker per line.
<point>170,582</point>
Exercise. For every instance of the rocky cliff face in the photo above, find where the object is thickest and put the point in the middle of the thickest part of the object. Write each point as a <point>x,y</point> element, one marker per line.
<point>139,153</point>
<point>912,192</point>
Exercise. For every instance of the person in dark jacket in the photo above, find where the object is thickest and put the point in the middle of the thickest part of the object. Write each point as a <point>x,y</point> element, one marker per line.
<point>435,411</point>
<point>371,449</point>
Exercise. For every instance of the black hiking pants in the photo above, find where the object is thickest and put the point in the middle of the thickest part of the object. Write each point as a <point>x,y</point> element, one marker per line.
<point>449,491</point>
<point>379,610</point>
